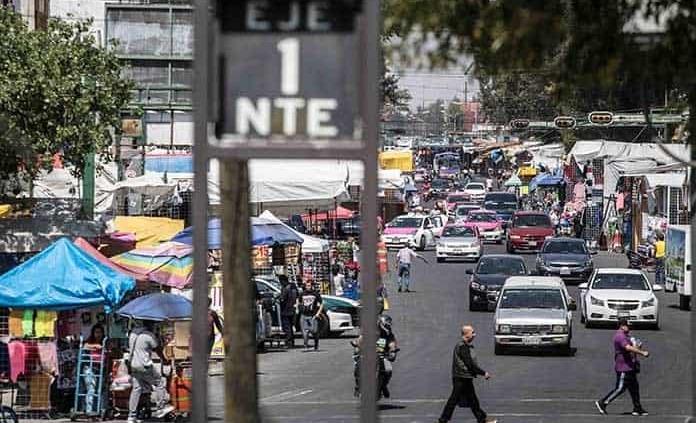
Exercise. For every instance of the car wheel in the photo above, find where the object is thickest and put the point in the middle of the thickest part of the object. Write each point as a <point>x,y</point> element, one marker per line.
<point>498,349</point>
<point>567,349</point>
<point>440,259</point>
<point>655,326</point>
<point>421,244</point>
<point>499,241</point>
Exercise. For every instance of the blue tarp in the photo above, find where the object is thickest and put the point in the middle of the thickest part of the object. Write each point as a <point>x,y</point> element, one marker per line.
<point>545,180</point>
<point>159,307</point>
<point>262,233</point>
<point>63,277</point>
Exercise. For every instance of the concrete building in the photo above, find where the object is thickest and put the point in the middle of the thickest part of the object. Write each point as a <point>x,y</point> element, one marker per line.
<point>155,39</point>
<point>35,12</point>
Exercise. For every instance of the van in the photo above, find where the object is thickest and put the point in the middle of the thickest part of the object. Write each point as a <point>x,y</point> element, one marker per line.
<point>534,312</point>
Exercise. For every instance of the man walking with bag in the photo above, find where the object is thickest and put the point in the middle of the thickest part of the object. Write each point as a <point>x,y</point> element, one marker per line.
<point>465,369</point>
<point>627,367</point>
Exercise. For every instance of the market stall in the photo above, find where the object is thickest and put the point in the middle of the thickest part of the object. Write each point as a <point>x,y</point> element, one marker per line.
<point>316,265</point>
<point>48,303</point>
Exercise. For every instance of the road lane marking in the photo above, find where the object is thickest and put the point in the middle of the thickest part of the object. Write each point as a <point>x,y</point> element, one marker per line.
<point>682,417</point>
<point>441,400</point>
<point>286,395</point>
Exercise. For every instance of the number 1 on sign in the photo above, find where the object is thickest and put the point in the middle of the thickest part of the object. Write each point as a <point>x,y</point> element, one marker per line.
<point>289,49</point>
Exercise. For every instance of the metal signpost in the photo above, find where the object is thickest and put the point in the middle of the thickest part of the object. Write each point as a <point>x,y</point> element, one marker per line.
<point>284,79</point>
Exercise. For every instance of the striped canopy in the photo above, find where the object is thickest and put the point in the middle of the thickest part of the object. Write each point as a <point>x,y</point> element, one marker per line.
<point>170,263</point>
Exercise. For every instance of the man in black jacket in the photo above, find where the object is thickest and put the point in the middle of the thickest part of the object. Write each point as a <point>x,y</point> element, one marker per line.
<point>288,302</point>
<point>464,369</point>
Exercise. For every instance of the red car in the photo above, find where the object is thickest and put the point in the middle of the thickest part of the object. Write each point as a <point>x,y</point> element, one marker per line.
<point>528,230</point>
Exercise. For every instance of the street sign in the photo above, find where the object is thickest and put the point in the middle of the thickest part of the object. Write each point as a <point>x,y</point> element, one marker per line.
<point>519,123</point>
<point>600,118</point>
<point>564,122</point>
<point>290,70</point>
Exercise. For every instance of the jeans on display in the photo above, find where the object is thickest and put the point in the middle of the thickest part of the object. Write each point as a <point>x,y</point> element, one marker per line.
<point>90,380</point>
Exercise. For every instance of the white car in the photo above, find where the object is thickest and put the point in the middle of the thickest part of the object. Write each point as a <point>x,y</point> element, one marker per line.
<point>458,241</point>
<point>475,190</point>
<point>534,312</point>
<point>612,294</point>
<point>341,314</point>
<point>410,229</point>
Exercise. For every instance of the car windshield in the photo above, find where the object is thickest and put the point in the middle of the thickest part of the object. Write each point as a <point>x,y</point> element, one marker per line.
<point>620,281</point>
<point>565,247</point>
<point>440,183</point>
<point>531,220</point>
<point>463,211</point>
<point>458,231</point>
<point>500,205</point>
<point>481,217</point>
<point>501,266</point>
<point>531,298</point>
<point>406,222</point>
<point>475,187</point>
<point>456,198</point>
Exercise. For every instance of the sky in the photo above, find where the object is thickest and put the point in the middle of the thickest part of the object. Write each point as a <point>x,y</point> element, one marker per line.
<point>427,86</point>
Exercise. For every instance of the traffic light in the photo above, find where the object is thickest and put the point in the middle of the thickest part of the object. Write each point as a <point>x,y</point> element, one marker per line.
<point>519,123</point>
<point>564,122</point>
<point>601,118</point>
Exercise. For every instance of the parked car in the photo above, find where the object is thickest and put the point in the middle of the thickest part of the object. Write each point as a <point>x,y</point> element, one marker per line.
<point>461,212</point>
<point>615,293</point>
<point>340,314</point>
<point>528,230</point>
<point>505,204</point>
<point>534,312</point>
<point>568,258</point>
<point>458,241</point>
<point>410,229</point>
<point>489,276</point>
<point>475,190</point>
<point>488,225</point>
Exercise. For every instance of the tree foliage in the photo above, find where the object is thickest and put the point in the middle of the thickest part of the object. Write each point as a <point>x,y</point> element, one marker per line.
<point>581,46</point>
<point>59,93</point>
<point>392,95</point>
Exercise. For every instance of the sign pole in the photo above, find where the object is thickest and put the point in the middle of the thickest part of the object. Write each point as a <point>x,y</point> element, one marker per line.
<point>241,403</point>
<point>199,330</point>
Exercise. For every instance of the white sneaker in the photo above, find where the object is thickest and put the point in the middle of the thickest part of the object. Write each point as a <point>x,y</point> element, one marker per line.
<point>158,414</point>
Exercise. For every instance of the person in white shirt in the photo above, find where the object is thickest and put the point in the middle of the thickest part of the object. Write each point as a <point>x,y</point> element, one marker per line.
<point>404,258</point>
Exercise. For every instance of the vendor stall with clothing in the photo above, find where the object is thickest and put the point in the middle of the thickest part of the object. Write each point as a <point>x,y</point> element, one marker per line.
<point>49,302</point>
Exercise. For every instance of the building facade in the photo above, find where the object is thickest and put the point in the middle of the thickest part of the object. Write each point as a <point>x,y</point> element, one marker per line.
<point>34,12</point>
<point>154,38</point>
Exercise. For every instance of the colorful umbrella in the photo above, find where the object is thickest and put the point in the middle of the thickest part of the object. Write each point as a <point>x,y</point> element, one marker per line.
<point>170,263</point>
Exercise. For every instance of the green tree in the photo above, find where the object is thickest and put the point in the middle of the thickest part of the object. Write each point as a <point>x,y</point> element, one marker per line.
<point>392,95</point>
<point>59,93</point>
<point>585,46</point>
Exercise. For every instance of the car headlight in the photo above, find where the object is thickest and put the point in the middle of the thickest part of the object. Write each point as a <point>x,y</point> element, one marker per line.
<point>515,237</point>
<point>559,328</point>
<point>596,301</point>
<point>475,285</point>
<point>649,303</point>
<point>504,329</point>
<point>548,237</point>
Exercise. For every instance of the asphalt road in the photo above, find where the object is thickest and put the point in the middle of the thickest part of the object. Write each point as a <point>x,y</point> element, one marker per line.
<point>317,386</point>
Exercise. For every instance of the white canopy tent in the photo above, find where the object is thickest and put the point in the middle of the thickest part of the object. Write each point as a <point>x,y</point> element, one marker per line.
<point>584,151</point>
<point>310,245</point>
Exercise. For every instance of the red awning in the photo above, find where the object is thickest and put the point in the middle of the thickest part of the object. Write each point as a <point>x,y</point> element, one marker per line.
<point>338,213</point>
